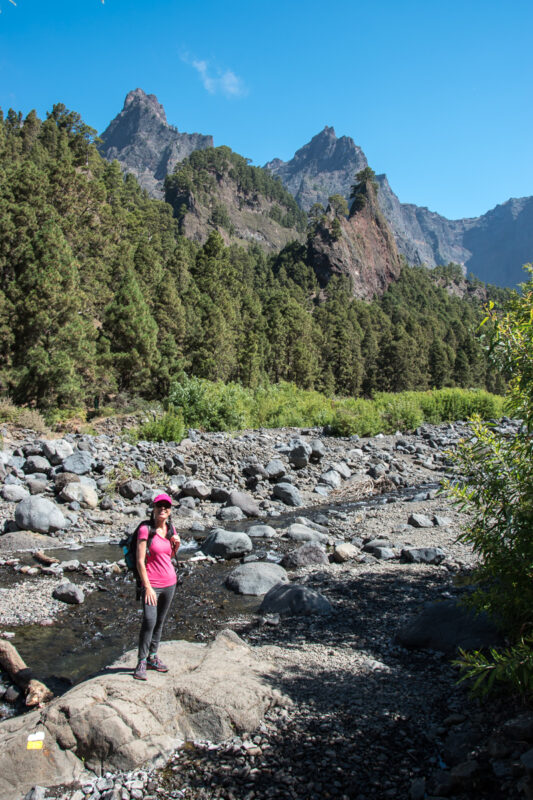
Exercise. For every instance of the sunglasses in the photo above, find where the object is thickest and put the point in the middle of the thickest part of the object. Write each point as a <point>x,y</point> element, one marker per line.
<point>162,505</point>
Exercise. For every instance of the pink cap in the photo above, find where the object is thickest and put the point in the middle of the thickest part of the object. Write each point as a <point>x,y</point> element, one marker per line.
<point>162,498</point>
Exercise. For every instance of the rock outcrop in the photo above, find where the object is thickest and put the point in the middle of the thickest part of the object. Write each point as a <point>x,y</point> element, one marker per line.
<point>493,246</point>
<point>143,142</point>
<point>115,723</point>
<point>324,166</point>
<point>361,246</point>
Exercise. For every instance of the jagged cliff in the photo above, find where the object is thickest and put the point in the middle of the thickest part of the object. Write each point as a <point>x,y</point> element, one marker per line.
<point>493,246</point>
<point>143,142</point>
<point>324,166</point>
<point>361,246</point>
<point>217,189</point>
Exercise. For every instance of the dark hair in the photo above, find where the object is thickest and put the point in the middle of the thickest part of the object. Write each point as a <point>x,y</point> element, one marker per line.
<point>170,525</point>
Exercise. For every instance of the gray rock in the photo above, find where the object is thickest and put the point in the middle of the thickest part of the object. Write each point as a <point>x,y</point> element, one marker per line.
<point>331,478</point>
<point>344,552</point>
<point>318,449</point>
<point>423,555</point>
<point>288,494</point>
<point>77,492</point>
<point>420,521</point>
<point>39,514</point>
<point>196,488</point>
<point>130,489</point>
<point>36,486</point>
<point>307,555</point>
<point>383,553</point>
<point>275,469</point>
<point>246,503</point>
<point>36,793</point>
<point>79,463</point>
<point>227,544</point>
<point>299,455</point>
<point>322,489</point>
<point>441,521</point>
<point>57,450</point>
<point>342,468</point>
<point>301,533</point>
<point>112,723</point>
<point>377,471</point>
<point>292,599</point>
<point>69,593</point>
<point>37,464</point>
<point>255,578</point>
<point>14,494</point>
<point>447,626</point>
<point>230,514</point>
<point>219,494</point>
<point>262,532</point>
<point>61,480</point>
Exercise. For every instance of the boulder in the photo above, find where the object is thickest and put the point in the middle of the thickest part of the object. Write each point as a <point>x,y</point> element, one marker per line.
<point>423,555</point>
<point>255,577</point>
<point>275,469</point>
<point>14,494</point>
<point>318,450</point>
<point>79,493</point>
<point>262,532</point>
<point>288,494</point>
<point>39,514</point>
<point>245,502</point>
<point>331,478</point>
<point>301,533</point>
<point>131,489</point>
<point>447,626</point>
<point>57,450</point>
<point>343,469</point>
<point>308,555</point>
<point>230,514</point>
<point>292,599</point>
<point>69,593</point>
<point>196,488</point>
<point>300,454</point>
<point>219,494</point>
<point>420,521</point>
<point>61,480</point>
<point>113,723</point>
<point>37,464</point>
<point>344,552</point>
<point>79,462</point>
<point>227,544</point>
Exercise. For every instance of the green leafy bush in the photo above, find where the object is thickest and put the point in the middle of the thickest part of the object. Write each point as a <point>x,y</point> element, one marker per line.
<point>168,428</point>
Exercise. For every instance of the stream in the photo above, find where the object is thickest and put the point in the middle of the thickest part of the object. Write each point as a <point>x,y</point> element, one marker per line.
<point>86,638</point>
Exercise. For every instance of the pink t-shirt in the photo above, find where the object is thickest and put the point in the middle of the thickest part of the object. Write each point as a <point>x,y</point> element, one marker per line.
<point>159,568</point>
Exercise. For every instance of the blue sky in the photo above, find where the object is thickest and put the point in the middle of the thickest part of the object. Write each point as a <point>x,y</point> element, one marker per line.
<point>438,94</point>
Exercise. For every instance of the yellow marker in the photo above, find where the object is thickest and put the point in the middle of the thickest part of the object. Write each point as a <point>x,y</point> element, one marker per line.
<point>35,741</point>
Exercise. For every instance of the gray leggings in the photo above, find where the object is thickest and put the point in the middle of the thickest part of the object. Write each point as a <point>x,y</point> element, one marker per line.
<point>153,620</point>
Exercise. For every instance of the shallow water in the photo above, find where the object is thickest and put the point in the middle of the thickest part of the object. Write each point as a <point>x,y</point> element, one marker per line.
<point>86,638</point>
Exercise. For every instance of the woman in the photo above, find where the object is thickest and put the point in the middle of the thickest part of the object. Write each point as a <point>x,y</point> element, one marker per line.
<point>157,543</point>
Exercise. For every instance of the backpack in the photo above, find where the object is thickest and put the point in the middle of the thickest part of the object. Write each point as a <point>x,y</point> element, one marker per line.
<point>129,548</point>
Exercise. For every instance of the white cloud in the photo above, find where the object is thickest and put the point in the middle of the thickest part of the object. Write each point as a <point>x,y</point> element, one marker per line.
<point>217,81</point>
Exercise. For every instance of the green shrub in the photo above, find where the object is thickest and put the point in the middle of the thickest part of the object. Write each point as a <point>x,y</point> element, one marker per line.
<point>168,428</point>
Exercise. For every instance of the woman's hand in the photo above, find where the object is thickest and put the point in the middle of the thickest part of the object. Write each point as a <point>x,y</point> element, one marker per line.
<point>175,542</point>
<point>150,596</point>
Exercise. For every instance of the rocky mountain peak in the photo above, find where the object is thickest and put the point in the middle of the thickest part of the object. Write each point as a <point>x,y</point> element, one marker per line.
<point>143,142</point>
<point>324,166</point>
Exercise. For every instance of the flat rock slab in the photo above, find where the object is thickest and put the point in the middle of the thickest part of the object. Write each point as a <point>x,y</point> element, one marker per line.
<point>446,627</point>
<point>22,541</point>
<point>113,722</point>
<point>292,599</point>
<point>255,578</point>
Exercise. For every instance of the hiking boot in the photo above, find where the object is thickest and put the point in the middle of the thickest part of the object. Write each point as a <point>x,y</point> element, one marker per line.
<point>140,670</point>
<point>154,662</point>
